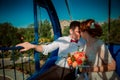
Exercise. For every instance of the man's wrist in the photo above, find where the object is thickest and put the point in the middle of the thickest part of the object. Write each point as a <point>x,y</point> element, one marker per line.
<point>34,46</point>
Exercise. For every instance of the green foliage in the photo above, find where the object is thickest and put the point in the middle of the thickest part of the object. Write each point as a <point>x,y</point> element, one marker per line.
<point>9,35</point>
<point>15,55</point>
<point>29,34</point>
<point>73,58</point>
<point>66,31</point>
<point>111,36</point>
<point>45,29</point>
<point>115,31</point>
<point>104,37</point>
<point>69,55</point>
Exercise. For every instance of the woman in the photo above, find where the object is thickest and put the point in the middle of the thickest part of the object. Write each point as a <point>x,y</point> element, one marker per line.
<point>102,65</point>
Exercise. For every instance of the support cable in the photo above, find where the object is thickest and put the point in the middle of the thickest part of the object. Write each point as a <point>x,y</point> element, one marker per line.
<point>109,17</point>
<point>68,9</point>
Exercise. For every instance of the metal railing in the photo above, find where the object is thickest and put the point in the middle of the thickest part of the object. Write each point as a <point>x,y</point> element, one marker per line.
<point>12,68</point>
<point>22,68</point>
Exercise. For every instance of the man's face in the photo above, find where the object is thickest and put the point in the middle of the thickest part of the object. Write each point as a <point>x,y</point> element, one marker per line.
<point>75,33</point>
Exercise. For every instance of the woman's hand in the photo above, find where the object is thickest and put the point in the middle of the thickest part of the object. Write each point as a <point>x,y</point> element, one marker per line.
<point>85,69</point>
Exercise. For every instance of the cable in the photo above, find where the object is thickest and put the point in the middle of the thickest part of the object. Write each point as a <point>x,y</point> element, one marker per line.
<point>66,2</point>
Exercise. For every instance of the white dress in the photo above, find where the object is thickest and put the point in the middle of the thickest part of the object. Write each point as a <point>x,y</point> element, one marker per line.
<point>96,60</point>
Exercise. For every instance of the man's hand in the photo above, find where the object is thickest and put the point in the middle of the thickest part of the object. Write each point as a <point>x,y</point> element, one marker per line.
<point>26,46</point>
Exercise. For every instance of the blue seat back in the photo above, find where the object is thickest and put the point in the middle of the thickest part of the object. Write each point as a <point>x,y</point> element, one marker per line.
<point>49,62</point>
<point>115,52</point>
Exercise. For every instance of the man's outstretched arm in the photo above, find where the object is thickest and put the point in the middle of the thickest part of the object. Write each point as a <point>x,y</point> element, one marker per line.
<point>27,46</point>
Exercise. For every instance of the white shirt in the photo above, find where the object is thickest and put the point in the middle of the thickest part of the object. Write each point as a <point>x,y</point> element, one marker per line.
<point>65,47</point>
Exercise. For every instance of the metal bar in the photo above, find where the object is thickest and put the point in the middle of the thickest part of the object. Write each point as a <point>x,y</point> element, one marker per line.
<point>109,16</point>
<point>11,48</point>
<point>3,65</point>
<point>66,2</point>
<point>29,64</point>
<point>22,65</point>
<point>14,64</point>
<point>36,54</point>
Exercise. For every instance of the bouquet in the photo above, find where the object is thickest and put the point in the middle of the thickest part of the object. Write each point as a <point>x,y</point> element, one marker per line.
<point>77,59</point>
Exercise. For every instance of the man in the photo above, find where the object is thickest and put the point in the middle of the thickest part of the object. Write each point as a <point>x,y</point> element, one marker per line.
<point>66,44</point>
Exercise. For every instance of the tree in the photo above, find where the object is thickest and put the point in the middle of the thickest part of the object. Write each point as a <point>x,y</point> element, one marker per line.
<point>45,29</point>
<point>115,31</point>
<point>29,34</point>
<point>112,36</point>
<point>66,31</point>
<point>9,35</point>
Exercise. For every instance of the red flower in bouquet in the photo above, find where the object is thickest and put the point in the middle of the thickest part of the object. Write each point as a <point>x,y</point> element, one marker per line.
<point>77,59</point>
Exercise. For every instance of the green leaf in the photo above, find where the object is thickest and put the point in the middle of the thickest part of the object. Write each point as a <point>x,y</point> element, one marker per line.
<point>73,58</point>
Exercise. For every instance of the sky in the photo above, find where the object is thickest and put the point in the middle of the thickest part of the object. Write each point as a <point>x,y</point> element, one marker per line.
<point>20,12</point>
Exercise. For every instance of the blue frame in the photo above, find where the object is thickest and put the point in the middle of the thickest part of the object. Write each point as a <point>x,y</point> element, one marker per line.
<point>47,4</point>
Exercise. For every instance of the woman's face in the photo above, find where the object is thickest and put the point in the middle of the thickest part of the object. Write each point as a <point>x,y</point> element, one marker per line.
<point>83,34</point>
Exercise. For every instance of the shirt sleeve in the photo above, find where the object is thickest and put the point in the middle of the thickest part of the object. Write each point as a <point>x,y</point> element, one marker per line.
<point>50,47</point>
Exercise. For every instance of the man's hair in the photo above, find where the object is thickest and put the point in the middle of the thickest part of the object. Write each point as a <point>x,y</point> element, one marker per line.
<point>74,24</point>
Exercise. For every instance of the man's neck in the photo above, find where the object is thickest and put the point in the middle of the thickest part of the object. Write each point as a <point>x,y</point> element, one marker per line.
<point>73,37</point>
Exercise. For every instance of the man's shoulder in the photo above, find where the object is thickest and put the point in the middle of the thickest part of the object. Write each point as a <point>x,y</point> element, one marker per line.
<point>64,37</point>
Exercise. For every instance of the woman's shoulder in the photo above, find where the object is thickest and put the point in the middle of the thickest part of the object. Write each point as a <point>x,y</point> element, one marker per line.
<point>100,42</point>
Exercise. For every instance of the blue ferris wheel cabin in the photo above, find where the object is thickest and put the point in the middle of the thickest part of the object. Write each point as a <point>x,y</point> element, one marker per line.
<point>49,7</point>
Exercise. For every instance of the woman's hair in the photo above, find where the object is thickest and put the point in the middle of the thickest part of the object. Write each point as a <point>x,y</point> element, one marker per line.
<point>93,28</point>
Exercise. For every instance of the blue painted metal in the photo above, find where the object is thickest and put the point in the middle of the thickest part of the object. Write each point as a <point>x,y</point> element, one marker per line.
<point>115,51</point>
<point>47,4</point>
<point>11,48</point>
<point>49,62</point>
<point>36,54</point>
<point>22,66</point>
<point>14,64</point>
<point>3,65</point>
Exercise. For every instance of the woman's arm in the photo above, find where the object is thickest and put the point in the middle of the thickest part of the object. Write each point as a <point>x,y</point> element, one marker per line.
<point>108,63</point>
<point>108,67</point>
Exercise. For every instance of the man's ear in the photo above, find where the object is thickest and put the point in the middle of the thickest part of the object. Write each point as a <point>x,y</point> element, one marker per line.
<point>71,32</point>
